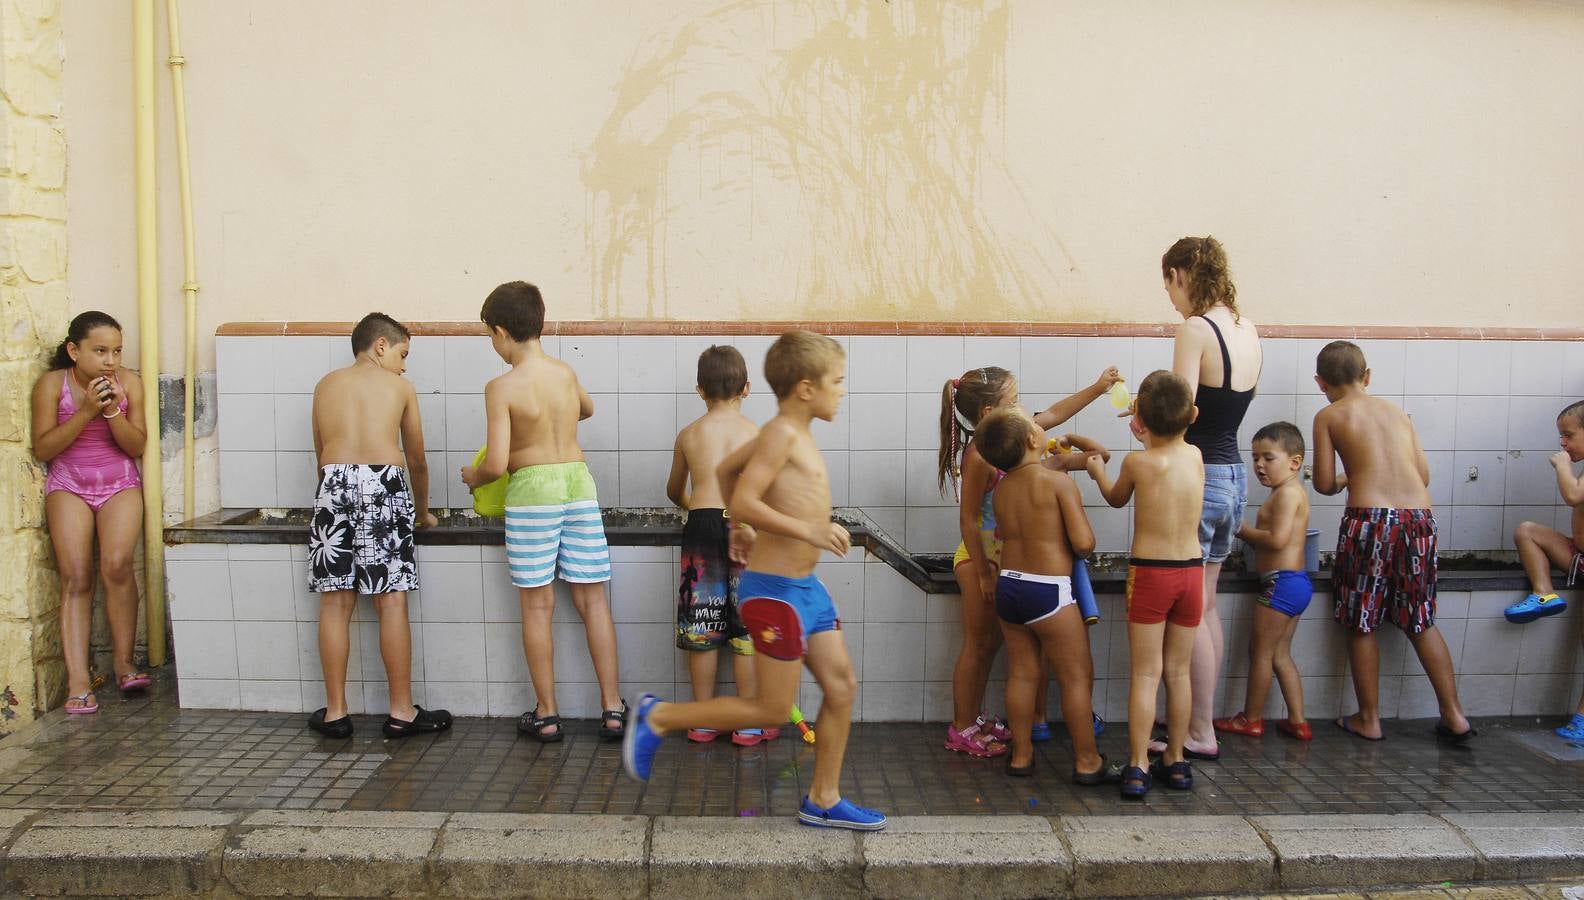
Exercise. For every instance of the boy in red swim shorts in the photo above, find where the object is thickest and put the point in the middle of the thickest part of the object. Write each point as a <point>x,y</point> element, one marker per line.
<point>1386,546</point>
<point>1165,592</point>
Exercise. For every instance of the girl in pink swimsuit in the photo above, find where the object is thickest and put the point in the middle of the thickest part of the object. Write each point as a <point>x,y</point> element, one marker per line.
<point>87,427</point>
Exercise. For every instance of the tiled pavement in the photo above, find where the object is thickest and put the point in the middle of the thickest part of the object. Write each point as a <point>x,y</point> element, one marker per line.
<point>147,753</point>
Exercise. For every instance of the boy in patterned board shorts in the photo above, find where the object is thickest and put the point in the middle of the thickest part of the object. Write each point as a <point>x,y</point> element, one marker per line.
<point>707,617</point>
<point>1386,546</point>
<point>553,520</point>
<point>779,486</point>
<point>365,511</point>
<point>1541,546</point>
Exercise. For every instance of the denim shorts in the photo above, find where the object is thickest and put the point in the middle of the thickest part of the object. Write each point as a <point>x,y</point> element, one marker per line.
<point>1226,492</point>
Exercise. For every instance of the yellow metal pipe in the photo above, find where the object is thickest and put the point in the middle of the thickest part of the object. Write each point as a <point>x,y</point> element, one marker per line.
<point>144,183</point>
<point>189,254</point>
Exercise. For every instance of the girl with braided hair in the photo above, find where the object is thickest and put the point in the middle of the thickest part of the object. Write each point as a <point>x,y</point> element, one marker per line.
<point>965,401</point>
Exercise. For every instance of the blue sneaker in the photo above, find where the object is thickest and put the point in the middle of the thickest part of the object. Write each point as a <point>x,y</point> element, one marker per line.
<point>1574,729</point>
<point>1535,606</point>
<point>845,814</point>
<point>1041,732</point>
<point>640,742</point>
<point>1099,725</point>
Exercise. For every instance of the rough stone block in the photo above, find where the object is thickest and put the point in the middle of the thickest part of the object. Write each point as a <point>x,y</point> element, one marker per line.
<point>757,857</point>
<point>330,861</point>
<point>1359,850</point>
<point>1136,856</point>
<point>322,818</point>
<point>506,855</point>
<point>126,861</point>
<point>1525,846</point>
<point>978,856</point>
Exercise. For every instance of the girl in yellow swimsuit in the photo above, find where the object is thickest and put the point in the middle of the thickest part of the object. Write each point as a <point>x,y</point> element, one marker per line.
<point>964,402</point>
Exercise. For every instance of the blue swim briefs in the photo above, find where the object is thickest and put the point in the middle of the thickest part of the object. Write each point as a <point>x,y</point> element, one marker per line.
<point>1023,598</point>
<point>1286,592</point>
<point>780,612</point>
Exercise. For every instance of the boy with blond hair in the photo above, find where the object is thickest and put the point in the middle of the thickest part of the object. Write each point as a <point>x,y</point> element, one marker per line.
<point>1541,546</point>
<point>1165,586</point>
<point>779,487</point>
<point>1386,545</point>
<point>365,511</point>
<point>707,616</point>
<point>553,520</point>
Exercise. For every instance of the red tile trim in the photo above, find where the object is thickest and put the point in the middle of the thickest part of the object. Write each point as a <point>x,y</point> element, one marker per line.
<point>1013,329</point>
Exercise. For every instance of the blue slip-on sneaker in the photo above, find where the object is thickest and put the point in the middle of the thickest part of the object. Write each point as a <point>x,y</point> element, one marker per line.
<point>1040,733</point>
<point>1099,725</point>
<point>845,814</point>
<point>1574,729</point>
<point>640,742</point>
<point>1535,606</point>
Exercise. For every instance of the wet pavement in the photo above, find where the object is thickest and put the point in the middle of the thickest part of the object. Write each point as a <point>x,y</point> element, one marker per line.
<point>145,752</point>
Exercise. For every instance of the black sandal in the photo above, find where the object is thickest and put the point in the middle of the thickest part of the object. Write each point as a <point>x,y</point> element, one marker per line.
<point>1108,773</point>
<point>1178,776</point>
<point>424,721</point>
<point>534,725</point>
<point>619,716</point>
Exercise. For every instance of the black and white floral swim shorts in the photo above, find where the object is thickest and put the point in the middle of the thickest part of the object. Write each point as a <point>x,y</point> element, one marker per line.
<point>362,533</point>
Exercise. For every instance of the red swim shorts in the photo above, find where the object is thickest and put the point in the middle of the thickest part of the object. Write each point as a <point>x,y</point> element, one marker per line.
<point>1165,590</point>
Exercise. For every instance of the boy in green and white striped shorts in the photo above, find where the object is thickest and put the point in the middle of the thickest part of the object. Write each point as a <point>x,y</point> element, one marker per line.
<point>553,522</point>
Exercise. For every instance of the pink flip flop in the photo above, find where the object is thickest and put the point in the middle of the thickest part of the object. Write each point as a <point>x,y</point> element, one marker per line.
<point>134,681</point>
<point>83,707</point>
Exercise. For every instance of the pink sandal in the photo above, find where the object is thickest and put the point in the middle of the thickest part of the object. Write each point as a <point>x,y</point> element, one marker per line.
<point>970,742</point>
<point>995,728</point>
<point>84,707</point>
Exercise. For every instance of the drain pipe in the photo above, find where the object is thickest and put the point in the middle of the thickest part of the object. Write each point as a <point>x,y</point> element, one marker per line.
<point>189,256</point>
<point>144,174</point>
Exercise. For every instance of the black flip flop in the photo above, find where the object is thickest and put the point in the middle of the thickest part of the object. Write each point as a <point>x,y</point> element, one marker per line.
<point>1446,735</point>
<point>1346,724</point>
<point>1019,771</point>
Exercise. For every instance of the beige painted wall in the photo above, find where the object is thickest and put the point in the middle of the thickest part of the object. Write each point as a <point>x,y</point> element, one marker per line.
<point>1366,161</point>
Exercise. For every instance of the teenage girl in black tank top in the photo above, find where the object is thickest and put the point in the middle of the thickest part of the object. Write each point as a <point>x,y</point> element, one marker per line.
<point>1200,286</point>
<point>1221,412</point>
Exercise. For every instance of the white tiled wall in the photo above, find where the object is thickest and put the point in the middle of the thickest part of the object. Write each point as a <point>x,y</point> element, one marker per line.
<point>246,637</point>
<point>1485,412</point>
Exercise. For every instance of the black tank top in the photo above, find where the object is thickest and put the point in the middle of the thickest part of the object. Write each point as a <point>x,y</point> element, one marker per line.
<point>1221,411</point>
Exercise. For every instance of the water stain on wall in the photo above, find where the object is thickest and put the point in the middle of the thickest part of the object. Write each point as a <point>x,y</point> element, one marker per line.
<point>814,159</point>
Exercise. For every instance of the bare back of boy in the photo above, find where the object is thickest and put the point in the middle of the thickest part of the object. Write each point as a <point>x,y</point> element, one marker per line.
<point>544,402</point>
<point>799,491</point>
<point>1033,505</point>
<point>358,413</point>
<point>1168,499</point>
<point>704,445</point>
<point>1385,466</point>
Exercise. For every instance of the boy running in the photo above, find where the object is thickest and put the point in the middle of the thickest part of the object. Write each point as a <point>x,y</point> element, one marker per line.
<point>783,491</point>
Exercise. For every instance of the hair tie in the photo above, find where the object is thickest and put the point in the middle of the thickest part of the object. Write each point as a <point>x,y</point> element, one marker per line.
<point>955,382</point>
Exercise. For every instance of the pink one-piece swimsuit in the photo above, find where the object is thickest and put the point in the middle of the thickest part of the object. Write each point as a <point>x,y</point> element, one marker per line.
<point>94,467</point>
